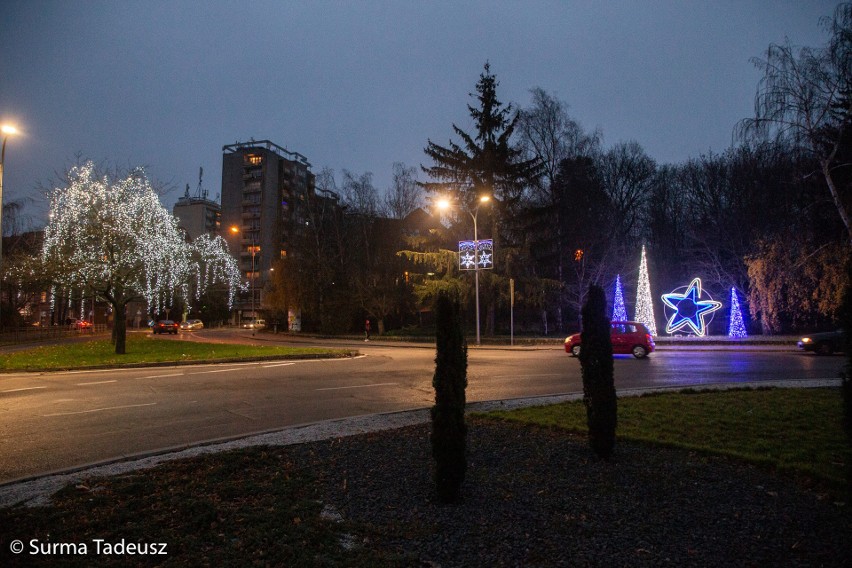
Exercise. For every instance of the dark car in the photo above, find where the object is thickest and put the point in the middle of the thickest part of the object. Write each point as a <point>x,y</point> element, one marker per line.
<point>628,338</point>
<point>166,326</point>
<point>824,343</point>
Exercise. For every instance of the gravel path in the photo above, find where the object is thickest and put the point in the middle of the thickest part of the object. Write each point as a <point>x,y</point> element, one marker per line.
<point>537,497</point>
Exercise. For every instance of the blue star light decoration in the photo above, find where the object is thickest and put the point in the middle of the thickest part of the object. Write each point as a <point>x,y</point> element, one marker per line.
<point>689,309</point>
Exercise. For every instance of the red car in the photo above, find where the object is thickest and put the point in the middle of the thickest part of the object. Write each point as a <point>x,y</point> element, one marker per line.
<point>628,338</point>
<point>166,326</point>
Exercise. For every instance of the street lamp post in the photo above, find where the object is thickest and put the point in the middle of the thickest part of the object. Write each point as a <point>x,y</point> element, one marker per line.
<point>6,130</point>
<point>236,230</point>
<point>444,204</point>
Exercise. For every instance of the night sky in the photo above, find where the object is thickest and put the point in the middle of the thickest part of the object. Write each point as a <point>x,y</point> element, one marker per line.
<point>361,85</point>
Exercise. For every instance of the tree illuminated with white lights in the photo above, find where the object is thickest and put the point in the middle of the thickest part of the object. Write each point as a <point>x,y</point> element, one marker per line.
<point>112,239</point>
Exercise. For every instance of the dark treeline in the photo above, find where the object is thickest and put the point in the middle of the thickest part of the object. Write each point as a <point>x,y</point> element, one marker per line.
<point>767,217</point>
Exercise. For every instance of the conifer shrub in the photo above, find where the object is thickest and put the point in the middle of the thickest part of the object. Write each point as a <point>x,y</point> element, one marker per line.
<point>597,370</point>
<point>846,375</point>
<point>450,381</point>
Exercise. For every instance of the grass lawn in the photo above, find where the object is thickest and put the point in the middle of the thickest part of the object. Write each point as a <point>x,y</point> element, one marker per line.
<point>147,349</point>
<point>796,430</point>
<point>256,507</point>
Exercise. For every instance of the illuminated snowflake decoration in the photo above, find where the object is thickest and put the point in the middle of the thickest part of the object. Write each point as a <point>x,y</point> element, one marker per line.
<point>113,237</point>
<point>689,310</point>
<point>472,253</point>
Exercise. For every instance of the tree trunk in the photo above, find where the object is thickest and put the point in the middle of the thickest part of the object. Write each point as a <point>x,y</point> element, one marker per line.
<point>119,328</point>
<point>838,202</point>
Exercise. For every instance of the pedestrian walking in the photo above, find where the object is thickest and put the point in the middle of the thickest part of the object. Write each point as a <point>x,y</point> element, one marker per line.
<point>367,330</point>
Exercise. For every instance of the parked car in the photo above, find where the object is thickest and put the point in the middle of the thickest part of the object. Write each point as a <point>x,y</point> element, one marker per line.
<point>192,325</point>
<point>166,326</point>
<point>81,324</point>
<point>824,343</point>
<point>628,338</point>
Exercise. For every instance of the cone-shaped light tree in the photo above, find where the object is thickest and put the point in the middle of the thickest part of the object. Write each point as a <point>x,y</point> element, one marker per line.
<point>619,312</point>
<point>112,239</point>
<point>736,327</point>
<point>644,304</point>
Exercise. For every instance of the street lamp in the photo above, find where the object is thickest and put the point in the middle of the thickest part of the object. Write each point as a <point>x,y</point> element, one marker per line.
<point>445,204</point>
<point>7,131</point>
<point>235,230</point>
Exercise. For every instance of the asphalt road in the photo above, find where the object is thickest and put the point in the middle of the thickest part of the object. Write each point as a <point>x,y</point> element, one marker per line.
<point>56,421</point>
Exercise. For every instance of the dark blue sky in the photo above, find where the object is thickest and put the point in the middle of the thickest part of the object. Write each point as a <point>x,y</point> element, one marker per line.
<point>360,85</point>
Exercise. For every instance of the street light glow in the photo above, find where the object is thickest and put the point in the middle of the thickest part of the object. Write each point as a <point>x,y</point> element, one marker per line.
<point>8,129</point>
<point>443,204</point>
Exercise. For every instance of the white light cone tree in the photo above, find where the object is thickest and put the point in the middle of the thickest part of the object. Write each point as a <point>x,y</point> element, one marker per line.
<point>112,239</point>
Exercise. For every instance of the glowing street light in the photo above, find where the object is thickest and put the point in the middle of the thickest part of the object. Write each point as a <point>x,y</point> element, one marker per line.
<point>7,130</point>
<point>445,204</point>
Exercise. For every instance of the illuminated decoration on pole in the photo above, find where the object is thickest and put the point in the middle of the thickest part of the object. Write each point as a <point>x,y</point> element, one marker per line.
<point>689,309</point>
<point>619,313</point>
<point>471,251</point>
<point>736,327</point>
<point>644,304</point>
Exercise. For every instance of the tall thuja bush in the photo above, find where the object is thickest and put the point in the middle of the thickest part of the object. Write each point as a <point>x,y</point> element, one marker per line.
<point>597,368</point>
<point>450,382</point>
<point>846,375</point>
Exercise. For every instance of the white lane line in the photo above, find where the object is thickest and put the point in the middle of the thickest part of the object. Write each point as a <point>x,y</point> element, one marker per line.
<point>277,365</point>
<point>97,383</point>
<point>23,389</point>
<point>159,376</point>
<point>214,371</point>
<point>358,387</point>
<point>98,410</point>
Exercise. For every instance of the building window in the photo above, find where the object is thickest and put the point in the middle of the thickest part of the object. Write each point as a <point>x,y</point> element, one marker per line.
<point>254,159</point>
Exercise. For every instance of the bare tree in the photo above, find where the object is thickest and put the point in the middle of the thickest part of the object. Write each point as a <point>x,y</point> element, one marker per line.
<point>626,173</point>
<point>405,195</point>
<point>547,132</point>
<point>806,95</point>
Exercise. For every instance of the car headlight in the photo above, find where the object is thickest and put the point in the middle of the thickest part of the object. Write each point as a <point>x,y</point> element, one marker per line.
<point>806,340</point>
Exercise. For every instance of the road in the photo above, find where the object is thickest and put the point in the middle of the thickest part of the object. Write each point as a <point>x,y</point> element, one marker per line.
<point>55,421</point>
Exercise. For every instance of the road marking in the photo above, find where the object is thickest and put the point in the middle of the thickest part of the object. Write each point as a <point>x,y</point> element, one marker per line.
<point>277,365</point>
<point>24,389</point>
<point>158,376</point>
<point>97,410</point>
<point>214,371</point>
<point>96,383</point>
<point>358,387</point>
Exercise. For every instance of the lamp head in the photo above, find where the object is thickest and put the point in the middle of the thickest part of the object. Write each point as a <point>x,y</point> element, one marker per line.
<point>8,129</point>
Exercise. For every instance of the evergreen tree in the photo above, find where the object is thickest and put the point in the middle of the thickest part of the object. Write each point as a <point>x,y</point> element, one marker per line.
<point>597,369</point>
<point>485,163</point>
<point>450,382</point>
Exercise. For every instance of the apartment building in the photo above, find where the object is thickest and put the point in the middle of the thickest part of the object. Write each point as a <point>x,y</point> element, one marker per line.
<point>265,189</point>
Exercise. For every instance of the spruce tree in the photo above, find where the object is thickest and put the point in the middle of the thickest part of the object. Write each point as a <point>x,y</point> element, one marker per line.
<point>597,369</point>
<point>485,163</point>
<point>450,382</point>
